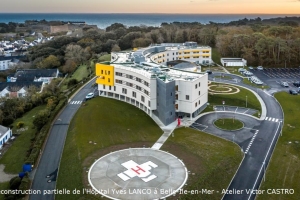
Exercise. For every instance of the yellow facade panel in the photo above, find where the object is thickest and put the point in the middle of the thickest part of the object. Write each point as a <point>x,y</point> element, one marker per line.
<point>105,74</point>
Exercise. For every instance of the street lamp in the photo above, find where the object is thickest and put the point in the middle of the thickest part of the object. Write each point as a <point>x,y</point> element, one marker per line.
<point>246,101</point>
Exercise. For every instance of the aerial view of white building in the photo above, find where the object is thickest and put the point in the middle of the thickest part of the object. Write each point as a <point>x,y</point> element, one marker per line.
<point>159,90</point>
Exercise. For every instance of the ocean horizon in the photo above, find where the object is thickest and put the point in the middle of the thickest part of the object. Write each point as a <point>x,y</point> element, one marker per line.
<point>103,20</point>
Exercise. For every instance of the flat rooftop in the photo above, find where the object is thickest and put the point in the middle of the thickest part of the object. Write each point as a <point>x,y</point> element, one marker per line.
<point>138,173</point>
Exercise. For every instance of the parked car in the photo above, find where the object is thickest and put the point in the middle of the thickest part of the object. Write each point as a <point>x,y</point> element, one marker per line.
<point>284,84</point>
<point>293,92</point>
<point>260,68</point>
<point>250,67</point>
<point>89,96</point>
<point>296,83</point>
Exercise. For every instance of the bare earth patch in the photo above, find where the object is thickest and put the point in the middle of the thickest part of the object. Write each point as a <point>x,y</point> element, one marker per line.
<point>4,177</point>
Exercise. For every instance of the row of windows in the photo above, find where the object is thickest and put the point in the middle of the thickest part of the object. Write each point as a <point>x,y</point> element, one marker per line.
<point>106,72</point>
<point>124,91</point>
<point>133,78</point>
<point>198,103</point>
<point>134,86</point>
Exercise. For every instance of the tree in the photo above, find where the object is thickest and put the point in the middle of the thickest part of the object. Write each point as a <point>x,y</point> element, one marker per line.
<point>75,53</point>
<point>115,48</point>
<point>49,62</point>
<point>41,119</point>
<point>69,66</point>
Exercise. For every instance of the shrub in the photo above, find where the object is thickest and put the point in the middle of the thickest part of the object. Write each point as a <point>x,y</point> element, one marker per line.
<point>20,125</point>
<point>72,82</point>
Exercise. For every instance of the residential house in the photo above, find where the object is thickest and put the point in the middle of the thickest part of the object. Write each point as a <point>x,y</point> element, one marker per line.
<point>5,134</point>
<point>18,89</point>
<point>34,75</point>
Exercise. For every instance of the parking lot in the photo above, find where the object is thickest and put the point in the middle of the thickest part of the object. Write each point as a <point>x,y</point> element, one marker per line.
<point>275,76</point>
<point>284,73</point>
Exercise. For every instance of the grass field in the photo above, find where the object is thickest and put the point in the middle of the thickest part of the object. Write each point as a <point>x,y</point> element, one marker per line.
<point>104,125</point>
<point>80,73</point>
<point>212,161</point>
<point>283,170</point>
<point>101,126</point>
<point>106,57</point>
<point>3,186</point>
<point>229,124</point>
<point>14,158</point>
<point>238,99</point>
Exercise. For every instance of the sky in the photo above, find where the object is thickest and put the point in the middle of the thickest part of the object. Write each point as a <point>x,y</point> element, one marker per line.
<point>152,6</point>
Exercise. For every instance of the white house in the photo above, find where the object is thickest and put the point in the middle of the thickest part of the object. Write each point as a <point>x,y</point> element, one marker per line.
<point>5,134</point>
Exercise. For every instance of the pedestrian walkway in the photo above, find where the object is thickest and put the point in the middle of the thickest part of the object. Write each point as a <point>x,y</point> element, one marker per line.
<point>76,102</point>
<point>271,119</point>
<point>167,131</point>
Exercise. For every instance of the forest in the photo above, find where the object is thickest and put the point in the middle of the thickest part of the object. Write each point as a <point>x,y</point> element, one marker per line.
<point>266,44</point>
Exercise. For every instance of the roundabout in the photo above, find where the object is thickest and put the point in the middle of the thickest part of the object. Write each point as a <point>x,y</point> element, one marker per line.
<point>137,173</point>
<point>229,124</point>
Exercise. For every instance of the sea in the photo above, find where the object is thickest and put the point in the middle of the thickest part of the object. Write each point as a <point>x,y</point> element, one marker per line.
<point>103,20</point>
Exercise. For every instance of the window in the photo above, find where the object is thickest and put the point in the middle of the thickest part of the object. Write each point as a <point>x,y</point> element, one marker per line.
<point>196,104</point>
<point>118,74</point>
<point>171,94</point>
<point>199,84</point>
<point>129,76</point>
<point>146,83</point>
<point>138,87</point>
<point>134,94</point>
<point>146,92</point>
<point>118,81</point>
<point>199,93</point>
<point>103,86</point>
<point>109,87</point>
<point>199,102</point>
<point>114,88</point>
<point>138,79</point>
<point>176,87</point>
<point>196,86</point>
<point>129,84</point>
<point>173,53</point>
<point>108,72</point>
<point>124,91</point>
<point>101,71</point>
<point>171,113</point>
<point>187,97</point>
<point>142,98</point>
<point>149,104</point>
<point>108,80</point>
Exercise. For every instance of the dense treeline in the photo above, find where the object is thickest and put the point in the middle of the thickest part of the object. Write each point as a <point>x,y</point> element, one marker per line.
<point>259,43</point>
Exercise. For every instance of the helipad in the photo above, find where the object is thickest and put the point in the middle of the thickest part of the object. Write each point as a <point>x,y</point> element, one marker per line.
<point>138,173</point>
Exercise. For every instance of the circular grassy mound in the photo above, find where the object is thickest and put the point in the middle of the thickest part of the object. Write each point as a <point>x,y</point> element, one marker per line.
<point>228,124</point>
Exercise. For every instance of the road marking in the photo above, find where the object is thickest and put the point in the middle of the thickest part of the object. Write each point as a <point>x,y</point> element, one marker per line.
<point>266,118</point>
<point>75,102</point>
<point>251,141</point>
<point>273,119</point>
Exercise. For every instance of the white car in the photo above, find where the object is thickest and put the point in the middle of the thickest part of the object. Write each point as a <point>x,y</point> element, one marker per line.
<point>89,96</point>
<point>250,67</point>
<point>260,68</point>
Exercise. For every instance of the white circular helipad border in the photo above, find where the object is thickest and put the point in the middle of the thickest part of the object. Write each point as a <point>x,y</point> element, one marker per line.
<point>138,173</point>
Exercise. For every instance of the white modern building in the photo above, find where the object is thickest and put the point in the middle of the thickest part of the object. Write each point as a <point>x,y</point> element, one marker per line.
<point>233,62</point>
<point>5,134</point>
<point>165,92</point>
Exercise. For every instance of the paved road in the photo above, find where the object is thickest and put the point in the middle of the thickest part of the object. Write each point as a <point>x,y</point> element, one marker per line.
<point>51,156</point>
<point>250,173</point>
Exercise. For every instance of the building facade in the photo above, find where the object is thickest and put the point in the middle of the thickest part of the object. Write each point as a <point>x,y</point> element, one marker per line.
<point>142,79</point>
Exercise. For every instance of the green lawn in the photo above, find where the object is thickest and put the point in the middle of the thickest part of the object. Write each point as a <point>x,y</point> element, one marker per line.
<point>238,99</point>
<point>229,124</point>
<point>3,186</point>
<point>14,158</point>
<point>80,73</point>
<point>283,170</point>
<point>105,57</point>
<point>101,126</point>
<point>223,77</point>
<point>212,161</point>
